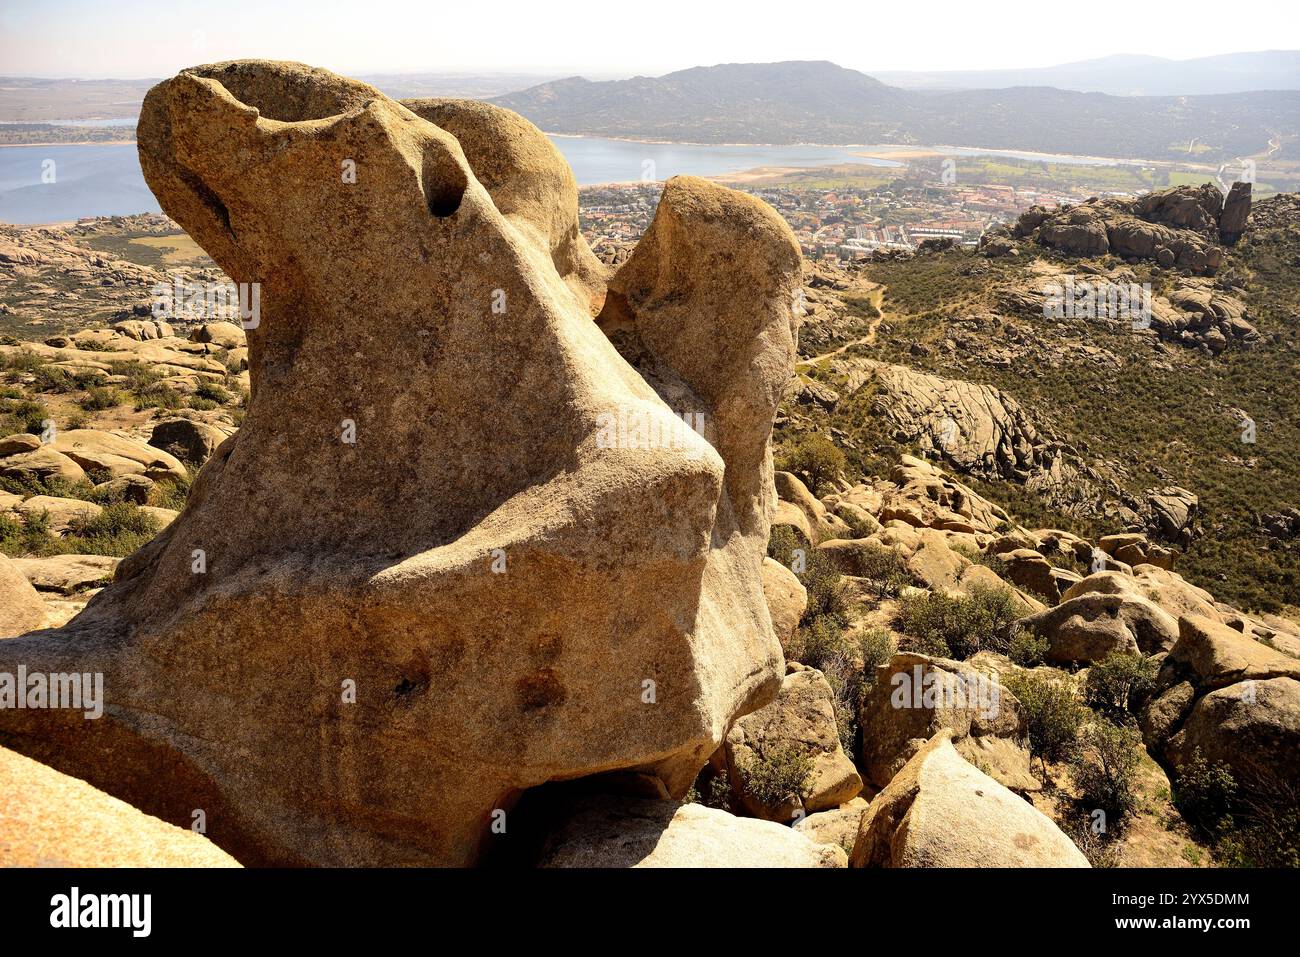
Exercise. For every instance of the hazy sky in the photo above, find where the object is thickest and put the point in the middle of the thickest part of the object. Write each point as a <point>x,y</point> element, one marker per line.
<point>150,38</point>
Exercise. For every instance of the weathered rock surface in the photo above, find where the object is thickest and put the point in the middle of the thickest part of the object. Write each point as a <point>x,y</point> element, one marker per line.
<point>804,512</point>
<point>800,721</point>
<point>1171,514</point>
<point>349,585</point>
<point>1233,700</point>
<point>979,429</point>
<point>915,696</point>
<point>48,819</point>
<point>115,454</point>
<point>530,183</point>
<point>940,811</point>
<point>786,598</point>
<point>1092,626</point>
<point>1197,313</point>
<point>838,826</point>
<point>1180,226</point>
<point>43,464</point>
<point>21,608</point>
<point>621,832</point>
<point>1236,212</point>
<point>227,335</point>
<point>188,439</point>
<point>60,513</point>
<point>1254,728</point>
<point>67,574</point>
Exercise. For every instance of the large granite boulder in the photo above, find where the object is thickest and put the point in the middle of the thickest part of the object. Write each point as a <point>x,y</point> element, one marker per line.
<point>1093,625</point>
<point>622,832</point>
<point>1234,700</point>
<point>941,811</point>
<point>426,579</point>
<point>48,819</point>
<point>915,696</point>
<point>21,608</point>
<point>798,726</point>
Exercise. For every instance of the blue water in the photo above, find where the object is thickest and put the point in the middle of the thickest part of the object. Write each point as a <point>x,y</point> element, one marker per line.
<point>617,161</point>
<point>105,180</point>
<point>88,181</point>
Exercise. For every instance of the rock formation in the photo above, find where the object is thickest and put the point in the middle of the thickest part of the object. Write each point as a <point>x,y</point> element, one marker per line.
<point>53,820</point>
<point>915,695</point>
<point>421,581</point>
<point>607,833</point>
<point>1233,700</point>
<point>1178,227</point>
<point>800,722</point>
<point>940,811</point>
<point>21,608</point>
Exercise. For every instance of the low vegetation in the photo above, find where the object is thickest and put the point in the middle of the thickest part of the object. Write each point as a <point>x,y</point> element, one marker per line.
<point>777,775</point>
<point>958,626</point>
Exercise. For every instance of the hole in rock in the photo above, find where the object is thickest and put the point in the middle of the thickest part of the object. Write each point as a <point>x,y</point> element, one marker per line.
<point>534,815</point>
<point>443,180</point>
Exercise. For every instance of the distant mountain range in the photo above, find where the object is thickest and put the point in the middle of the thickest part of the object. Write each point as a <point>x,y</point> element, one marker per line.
<point>819,102</point>
<point>1127,75</point>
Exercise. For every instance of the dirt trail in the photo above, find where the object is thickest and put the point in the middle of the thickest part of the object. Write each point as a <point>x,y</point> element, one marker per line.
<point>876,297</point>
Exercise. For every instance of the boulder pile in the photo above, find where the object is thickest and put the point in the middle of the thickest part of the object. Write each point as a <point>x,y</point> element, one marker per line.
<point>1182,227</point>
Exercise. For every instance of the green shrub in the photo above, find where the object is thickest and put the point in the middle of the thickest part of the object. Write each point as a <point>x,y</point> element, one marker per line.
<point>958,626</point>
<point>995,563</point>
<point>213,392</point>
<point>822,644</point>
<point>1027,648</point>
<point>815,570</point>
<point>1105,766</point>
<point>1052,713</point>
<point>24,360</point>
<point>814,458</point>
<point>858,527</point>
<point>49,378</point>
<point>24,535</point>
<point>171,493</point>
<point>1119,683</point>
<point>1255,826</point>
<point>1265,831</point>
<point>710,789</point>
<point>24,415</point>
<point>825,587</point>
<point>98,398</point>
<point>1204,794</point>
<point>781,544</point>
<point>139,376</point>
<point>777,775</point>
<point>885,568</point>
<point>878,646</point>
<point>118,530</point>
<point>158,396</point>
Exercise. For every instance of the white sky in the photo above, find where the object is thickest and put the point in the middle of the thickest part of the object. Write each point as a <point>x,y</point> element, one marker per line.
<point>151,38</point>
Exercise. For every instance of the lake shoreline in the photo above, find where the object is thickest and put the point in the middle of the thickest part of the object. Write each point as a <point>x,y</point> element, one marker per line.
<point>76,143</point>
